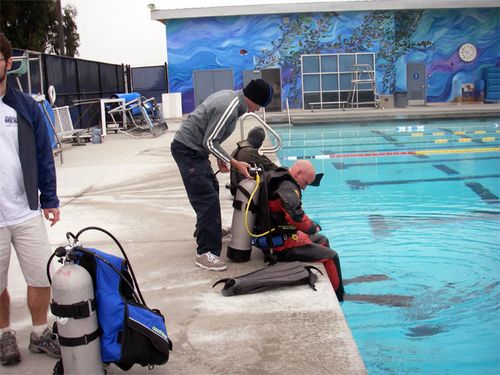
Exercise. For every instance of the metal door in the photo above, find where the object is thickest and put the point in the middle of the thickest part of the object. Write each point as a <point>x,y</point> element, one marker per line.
<point>248,75</point>
<point>416,83</point>
<point>223,80</point>
<point>273,77</point>
<point>206,82</point>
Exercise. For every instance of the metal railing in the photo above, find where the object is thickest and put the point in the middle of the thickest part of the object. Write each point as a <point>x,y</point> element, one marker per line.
<point>21,67</point>
<point>288,112</point>
<point>264,150</point>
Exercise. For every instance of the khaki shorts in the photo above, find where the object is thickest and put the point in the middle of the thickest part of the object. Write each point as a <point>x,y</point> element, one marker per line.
<point>31,243</point>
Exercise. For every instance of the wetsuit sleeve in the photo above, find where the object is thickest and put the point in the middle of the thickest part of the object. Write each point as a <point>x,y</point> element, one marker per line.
<point>292,205</point>
<point>215,130</point>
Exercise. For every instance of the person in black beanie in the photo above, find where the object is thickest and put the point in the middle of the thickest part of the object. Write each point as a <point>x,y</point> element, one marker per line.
<point>200,135</point>
<point>248,151</point>
<point>259,91</point>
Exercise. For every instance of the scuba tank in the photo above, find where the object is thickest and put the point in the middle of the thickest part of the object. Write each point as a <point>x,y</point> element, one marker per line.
<point>240,247</point>
<point>73,304</point>
<point>102,315</point>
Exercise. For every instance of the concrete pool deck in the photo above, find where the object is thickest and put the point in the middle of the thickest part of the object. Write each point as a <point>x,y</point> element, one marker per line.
<point>132,188</point>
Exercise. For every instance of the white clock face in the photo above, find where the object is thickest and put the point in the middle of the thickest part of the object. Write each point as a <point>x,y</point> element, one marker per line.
<point>467,52</point>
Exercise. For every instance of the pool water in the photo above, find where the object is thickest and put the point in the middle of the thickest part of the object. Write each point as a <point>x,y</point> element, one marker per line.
<point>415,204</point>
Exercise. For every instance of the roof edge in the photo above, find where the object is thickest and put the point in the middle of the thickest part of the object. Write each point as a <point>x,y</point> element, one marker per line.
<point>163,15</point>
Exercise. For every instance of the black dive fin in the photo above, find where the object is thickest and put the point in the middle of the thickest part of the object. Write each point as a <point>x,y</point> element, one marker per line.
<point>270,277</point>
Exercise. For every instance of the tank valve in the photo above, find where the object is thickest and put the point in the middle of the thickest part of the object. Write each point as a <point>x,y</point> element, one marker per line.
<point>253,171</point>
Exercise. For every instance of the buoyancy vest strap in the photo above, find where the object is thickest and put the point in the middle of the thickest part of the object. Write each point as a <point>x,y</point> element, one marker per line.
<point>77,310</point>
<point>244,192</point>
<point>77,341</point>
<point>241,206</point>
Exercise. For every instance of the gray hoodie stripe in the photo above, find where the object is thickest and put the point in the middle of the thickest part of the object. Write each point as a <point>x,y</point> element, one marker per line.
<point>217,129</point>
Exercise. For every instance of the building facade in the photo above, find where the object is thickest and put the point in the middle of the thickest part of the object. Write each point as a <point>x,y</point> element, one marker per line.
<point>436,54</point>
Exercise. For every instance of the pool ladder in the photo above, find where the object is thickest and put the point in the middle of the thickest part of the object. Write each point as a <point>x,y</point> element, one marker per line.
<point>263,150</point>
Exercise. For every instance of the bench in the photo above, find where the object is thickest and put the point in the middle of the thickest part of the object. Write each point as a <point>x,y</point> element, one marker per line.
<point>341,104</point>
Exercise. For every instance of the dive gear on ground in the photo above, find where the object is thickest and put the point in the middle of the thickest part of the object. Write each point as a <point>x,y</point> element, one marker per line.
<point>270,277</point>
<point>282,229</point>
<point>129,332</point>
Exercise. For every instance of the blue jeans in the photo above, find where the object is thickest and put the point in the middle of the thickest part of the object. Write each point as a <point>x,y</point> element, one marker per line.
<point>202,189</point>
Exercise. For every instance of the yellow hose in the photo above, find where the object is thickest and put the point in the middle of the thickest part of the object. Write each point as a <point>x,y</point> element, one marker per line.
<point>250,200</point>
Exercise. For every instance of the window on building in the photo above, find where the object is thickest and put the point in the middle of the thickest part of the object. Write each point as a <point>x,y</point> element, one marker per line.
<point>331,80</point>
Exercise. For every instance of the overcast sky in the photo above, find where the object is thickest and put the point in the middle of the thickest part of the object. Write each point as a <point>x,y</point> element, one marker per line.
<point>122,32</point>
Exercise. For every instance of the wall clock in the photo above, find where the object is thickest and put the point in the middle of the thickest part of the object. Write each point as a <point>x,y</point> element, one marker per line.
<point>467,52</point>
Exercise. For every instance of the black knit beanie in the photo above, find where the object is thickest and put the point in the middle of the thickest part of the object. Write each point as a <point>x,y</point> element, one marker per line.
<point>259,91</point>
<point>256,136</point>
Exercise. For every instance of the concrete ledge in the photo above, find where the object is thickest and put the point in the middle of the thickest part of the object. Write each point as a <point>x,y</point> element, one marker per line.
<point>132,188</point>
<point>361,115</point>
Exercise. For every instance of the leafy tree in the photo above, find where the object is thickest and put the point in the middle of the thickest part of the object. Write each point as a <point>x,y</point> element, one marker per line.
<point>71,36</point>
<point>33,25</point>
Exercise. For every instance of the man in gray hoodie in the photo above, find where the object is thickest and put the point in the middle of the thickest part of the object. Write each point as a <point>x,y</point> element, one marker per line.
<point>200,135</point>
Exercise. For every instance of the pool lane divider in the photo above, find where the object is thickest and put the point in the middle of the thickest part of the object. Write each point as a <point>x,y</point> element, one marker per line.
<point>395,153</point>
<point>406,145</point>
<point>342,165</point>
<point>313,137</point>
<point>357,184</point>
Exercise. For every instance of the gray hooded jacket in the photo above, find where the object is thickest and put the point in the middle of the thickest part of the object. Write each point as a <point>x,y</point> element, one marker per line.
<point>212,122</point>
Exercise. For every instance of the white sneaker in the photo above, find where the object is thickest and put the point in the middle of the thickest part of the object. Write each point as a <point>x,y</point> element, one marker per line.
<point>210,262</point>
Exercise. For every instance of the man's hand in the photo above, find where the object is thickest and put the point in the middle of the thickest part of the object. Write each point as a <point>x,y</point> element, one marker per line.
<point>222,166</point>
<point>318,227</point>
<point>52,215</point>
<point>241,167</point>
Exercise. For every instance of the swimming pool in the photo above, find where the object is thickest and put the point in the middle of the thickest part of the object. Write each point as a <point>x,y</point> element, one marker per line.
<point>415,204</point>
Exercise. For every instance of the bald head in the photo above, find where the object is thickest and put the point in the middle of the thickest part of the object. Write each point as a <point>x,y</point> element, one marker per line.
<point>303,173</point>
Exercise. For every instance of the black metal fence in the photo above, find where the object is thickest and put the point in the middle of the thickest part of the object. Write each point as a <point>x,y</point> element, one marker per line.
<point>150,81</point>
<point>80,84</point>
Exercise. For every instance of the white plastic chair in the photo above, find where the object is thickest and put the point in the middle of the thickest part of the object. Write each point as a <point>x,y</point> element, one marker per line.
<point>65,129</point>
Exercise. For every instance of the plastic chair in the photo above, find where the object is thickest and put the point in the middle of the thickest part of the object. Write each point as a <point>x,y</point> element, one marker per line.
<point>65,129</point>
<point>21,70</point>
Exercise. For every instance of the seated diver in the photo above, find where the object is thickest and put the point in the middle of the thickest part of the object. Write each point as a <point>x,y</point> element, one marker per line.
<point>248,151</point>
<point>299,239</point>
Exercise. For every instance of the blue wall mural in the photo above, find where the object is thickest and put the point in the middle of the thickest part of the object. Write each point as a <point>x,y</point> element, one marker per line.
<point>396,37</point>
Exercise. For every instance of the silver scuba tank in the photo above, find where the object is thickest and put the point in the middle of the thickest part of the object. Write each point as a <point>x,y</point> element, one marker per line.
<point>240,247</point>
<point>73,294</point>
